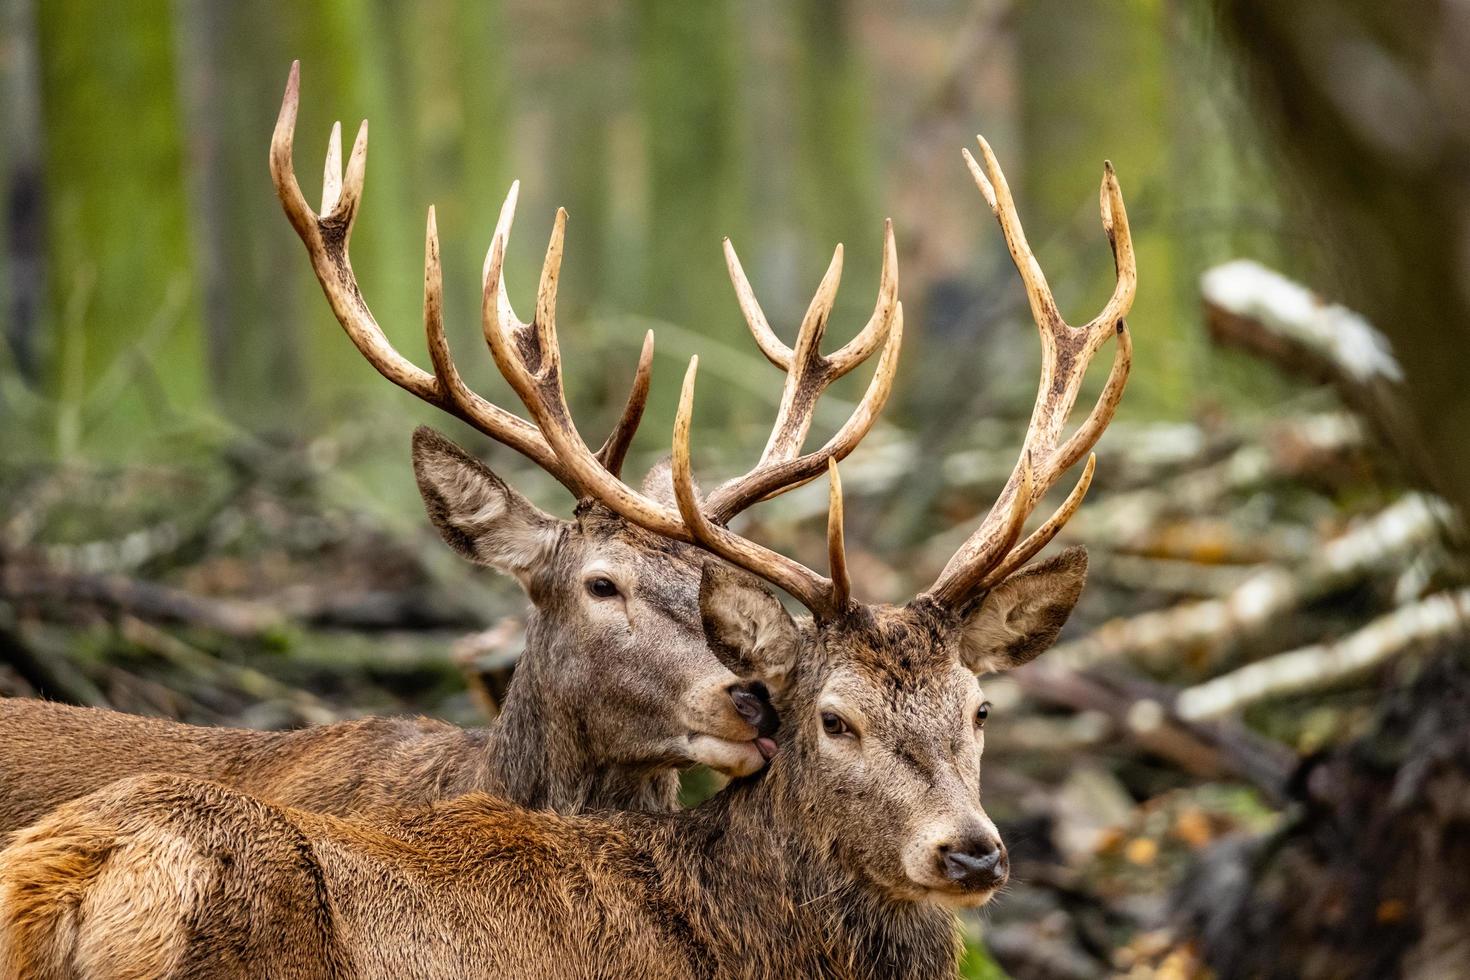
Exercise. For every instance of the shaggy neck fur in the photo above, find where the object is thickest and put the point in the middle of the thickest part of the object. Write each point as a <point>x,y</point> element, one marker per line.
<point>750,848</point>
<point>538,755</point>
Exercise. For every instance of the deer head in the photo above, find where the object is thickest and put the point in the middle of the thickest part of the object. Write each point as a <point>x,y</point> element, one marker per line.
<point>616,589</point>
<point>615,624</point>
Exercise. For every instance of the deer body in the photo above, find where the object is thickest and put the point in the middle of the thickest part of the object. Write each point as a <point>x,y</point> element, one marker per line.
<point>51,753</point>
<point>800,870</point>
<point>472,887</point>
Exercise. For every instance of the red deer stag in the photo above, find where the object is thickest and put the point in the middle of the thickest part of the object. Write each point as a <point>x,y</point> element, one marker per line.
<point>839,859</point>
<point>617,687</point>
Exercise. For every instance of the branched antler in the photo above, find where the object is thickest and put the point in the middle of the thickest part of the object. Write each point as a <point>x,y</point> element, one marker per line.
<point>808,373</point>
<point>326,237</point>
<point>529,357</point>
<point>991,553</point>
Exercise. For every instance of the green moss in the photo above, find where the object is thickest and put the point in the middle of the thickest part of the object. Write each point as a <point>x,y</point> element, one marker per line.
<point>976,963</point>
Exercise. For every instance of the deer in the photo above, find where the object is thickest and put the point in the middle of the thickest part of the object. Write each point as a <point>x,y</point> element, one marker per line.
<point>846,856</point>
<point>617,689</point>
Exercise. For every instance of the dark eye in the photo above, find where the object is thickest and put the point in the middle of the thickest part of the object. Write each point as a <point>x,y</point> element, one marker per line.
<point>834,725</point>
<point>981,713</point>
<point>602,587</point>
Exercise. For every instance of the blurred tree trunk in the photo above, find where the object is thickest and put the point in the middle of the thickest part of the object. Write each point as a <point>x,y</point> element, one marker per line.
<point>834,163</point>
<point>1372,102</point>
<point>117,221</point>
<point>24,191</point>
<point>250,331</point>
<point>688,60</point>
<point>835,171</point>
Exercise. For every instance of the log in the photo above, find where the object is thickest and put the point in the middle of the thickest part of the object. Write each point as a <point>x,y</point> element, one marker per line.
<point>1388,539</point>
<point>146,600</point>
<point>1142,713</point>
<point>1324,665</point>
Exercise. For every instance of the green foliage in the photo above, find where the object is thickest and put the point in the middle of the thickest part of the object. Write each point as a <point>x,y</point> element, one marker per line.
<point>976,963</point>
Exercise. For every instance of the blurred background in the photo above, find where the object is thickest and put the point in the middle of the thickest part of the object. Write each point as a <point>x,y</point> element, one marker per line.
<point>1248,756</point>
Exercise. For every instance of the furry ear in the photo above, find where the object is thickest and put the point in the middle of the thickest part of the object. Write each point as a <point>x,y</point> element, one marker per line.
<point>476,513</point>
<point>746,626</point>
<point>658,483</point>
<point>1021,617</point>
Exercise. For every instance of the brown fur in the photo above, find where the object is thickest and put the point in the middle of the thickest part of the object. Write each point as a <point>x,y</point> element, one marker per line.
<point>804,870</point>
<point>600,712</point>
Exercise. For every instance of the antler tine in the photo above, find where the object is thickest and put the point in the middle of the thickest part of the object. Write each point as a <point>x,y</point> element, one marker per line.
<point>765,338</point>
<point>332,177</point>
<point>1125,265</point>
<point>836,544</point>
<point>326,238</point>
<point>808,374</point>
<point>763,483</point>
<point>460,400</point>
<point>852,353</point>
<point>781,466</point>
<point>530,361</point>
<point>1042,536</point>
<point>987,556</point>
<point>861,347</point>
<point>997,193</point>
<point>812,590</point>
<point>615,449</point>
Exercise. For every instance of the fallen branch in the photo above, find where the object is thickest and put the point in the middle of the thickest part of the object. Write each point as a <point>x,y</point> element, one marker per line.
<point>145,600</point>
<point>248,680</point>
<point>50,676</point>
<point>1286,450</point>
<point>1326,664</point>
<point>1140,712</point>
<point>1386,540</point>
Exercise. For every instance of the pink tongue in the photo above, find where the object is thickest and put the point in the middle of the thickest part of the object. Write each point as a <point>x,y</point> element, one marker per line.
<point>767,748</point>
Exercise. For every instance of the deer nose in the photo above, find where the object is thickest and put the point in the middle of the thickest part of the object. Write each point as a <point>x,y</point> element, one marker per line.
<point>973,864</point>
<point>753,703</point>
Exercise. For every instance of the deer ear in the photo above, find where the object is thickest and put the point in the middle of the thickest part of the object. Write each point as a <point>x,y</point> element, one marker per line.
<point>658,483</point>
<point>476,513</point>
<point>1021,617</point>
<point>746,626</point>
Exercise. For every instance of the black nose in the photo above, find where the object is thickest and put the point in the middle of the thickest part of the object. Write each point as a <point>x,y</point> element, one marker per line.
<point>977,863</point>
<point>753,703</point>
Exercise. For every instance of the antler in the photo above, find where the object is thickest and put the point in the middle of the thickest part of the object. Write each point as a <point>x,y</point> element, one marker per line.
<point>326,236</point>
<point>808,373</point>
<point>825,597</point>
<point>529,357</point>
<point>991,552</point>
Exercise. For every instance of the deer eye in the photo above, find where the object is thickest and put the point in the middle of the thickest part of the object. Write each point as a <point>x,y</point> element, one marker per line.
<point>602,587</point>
<point>834,726</point>
<point>981,713</point>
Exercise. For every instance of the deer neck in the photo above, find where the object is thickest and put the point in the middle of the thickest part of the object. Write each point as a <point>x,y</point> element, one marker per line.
<point>539,754</point>
<point>770,897</point>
